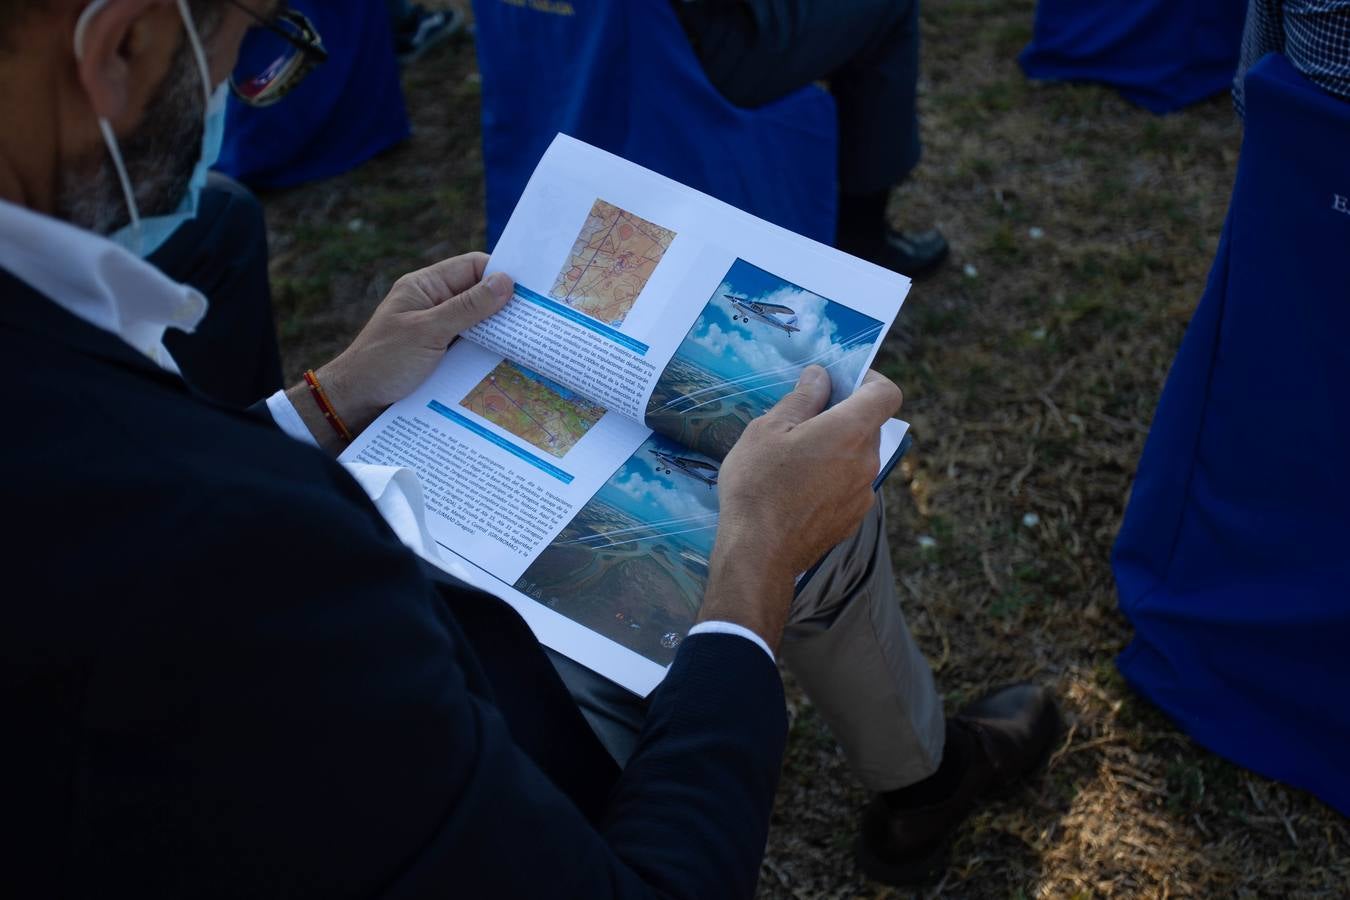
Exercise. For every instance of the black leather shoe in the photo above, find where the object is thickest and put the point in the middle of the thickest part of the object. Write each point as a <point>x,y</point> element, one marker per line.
<point>912,253</point>
<point>1005,735</point>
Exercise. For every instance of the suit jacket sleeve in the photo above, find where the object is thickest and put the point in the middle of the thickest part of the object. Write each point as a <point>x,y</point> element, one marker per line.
<point>307,728</point>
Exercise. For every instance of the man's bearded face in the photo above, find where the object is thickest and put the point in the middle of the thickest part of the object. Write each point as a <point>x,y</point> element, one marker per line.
<point>160,157</point>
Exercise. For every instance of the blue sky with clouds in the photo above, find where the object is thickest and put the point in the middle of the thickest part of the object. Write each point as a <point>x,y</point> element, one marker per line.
<point>831,335</point>
<point>674,502</point>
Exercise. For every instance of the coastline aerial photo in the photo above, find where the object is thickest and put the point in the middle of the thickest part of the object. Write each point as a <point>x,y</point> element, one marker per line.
<point>633,563</point>
<point>533,408</point>
<point>744,353</point>
<point>614,255</point>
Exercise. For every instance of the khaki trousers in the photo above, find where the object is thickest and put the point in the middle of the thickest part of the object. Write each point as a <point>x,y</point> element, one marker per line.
<point>849,647</point>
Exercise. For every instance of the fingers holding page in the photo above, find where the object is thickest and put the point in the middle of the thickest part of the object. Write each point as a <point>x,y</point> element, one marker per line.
<point>458,273</point>
<point>806,400</point>
<point>875,401</point>
<point>469,307</point>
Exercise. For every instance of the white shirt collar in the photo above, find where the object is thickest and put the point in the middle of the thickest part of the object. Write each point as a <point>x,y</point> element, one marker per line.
<point>99,281</point>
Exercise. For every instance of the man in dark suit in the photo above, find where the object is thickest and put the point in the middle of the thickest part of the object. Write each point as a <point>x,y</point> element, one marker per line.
<point>225,675</point>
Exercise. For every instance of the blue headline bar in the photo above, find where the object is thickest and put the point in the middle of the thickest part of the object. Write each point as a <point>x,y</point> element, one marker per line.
<point>506,445</point>
<point>581,319</point>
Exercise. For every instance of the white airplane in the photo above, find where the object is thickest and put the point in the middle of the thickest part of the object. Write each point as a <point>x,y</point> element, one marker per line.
<point>697,469</point>
<point>781,317</point>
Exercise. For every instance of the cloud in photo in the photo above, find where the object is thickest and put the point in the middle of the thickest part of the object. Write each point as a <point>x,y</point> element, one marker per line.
<point>672,504</point>
<point>675,504</point>
<point>735,349</point>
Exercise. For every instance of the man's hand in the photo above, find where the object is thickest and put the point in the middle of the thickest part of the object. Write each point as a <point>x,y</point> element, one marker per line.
<point>403,341</point>
<point>797,482</point>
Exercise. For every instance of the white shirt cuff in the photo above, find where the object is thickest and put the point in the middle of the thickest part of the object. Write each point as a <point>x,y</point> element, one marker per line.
<point>288,420</point>
<point>731,628</point>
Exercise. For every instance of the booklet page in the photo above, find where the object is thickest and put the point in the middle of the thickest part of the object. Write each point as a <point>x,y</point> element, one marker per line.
<point>596,529</point>
<point>505,456</point>
<point>638,303</point>
<point>669,307</point>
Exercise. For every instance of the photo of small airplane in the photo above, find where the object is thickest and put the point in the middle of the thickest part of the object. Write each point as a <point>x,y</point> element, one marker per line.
<point>697,469</point>
<point>784,318</point>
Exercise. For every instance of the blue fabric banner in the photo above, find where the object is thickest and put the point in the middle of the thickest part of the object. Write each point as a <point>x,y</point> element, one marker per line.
<point>620,74</point>
<point>1160,54</point>
<point>1233,561</point>
<point>343,113</point>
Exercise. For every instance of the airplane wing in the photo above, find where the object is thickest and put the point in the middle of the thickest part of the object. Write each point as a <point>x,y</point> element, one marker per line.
<point>776,308</point>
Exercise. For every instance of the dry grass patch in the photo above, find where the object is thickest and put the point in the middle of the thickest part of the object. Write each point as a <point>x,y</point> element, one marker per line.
<point>1031,377</point>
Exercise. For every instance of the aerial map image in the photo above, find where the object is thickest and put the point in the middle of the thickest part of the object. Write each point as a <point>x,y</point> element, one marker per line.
<point>633,563</point>
<point>610,263</point>
<point>744,353</point>
<point>531,407</point>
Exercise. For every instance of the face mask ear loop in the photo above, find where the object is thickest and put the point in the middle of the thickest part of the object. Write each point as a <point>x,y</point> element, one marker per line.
<point>191,28</point>
<point>109,139</point>
<point>116,153</point>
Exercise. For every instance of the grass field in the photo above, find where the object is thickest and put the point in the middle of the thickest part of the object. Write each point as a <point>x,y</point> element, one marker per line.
<point>1082,232</point>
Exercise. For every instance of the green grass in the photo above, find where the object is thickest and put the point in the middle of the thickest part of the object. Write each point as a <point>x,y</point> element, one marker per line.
<point>1030,388</point>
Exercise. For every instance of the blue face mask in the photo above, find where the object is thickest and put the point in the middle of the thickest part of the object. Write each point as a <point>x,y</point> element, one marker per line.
<point>152,231</point>
<point>146,235</point>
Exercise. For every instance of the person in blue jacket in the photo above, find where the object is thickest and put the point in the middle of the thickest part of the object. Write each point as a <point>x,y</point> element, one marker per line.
<point>224,673</point>
<point>867,51</point>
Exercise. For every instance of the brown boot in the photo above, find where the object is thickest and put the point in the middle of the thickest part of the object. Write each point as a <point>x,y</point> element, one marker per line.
<point>991,745</point>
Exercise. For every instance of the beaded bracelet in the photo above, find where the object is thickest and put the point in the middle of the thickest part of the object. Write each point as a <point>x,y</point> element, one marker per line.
<point>326,407</point>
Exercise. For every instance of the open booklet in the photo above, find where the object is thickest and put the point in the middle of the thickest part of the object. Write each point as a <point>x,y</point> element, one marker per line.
<point>569,446</point>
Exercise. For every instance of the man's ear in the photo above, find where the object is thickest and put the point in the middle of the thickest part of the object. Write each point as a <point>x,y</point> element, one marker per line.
<point>123,49</point>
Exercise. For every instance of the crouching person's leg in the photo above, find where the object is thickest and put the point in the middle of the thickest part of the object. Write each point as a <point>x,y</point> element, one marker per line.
<point>232,357</point>
<point>849,646</point>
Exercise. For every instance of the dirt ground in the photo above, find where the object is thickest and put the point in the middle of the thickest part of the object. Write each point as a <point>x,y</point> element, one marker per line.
<point>1082,231</point>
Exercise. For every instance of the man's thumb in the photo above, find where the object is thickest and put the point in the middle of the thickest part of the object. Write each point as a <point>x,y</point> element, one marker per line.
<point>807,399</point>
<point>463,311</point>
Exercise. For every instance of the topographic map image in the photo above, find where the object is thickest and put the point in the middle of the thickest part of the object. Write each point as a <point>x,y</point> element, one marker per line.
<point>610,263</point>
<point>531,407</point>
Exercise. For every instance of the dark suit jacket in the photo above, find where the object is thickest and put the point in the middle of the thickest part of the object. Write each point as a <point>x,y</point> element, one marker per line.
<point>224,676</point>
